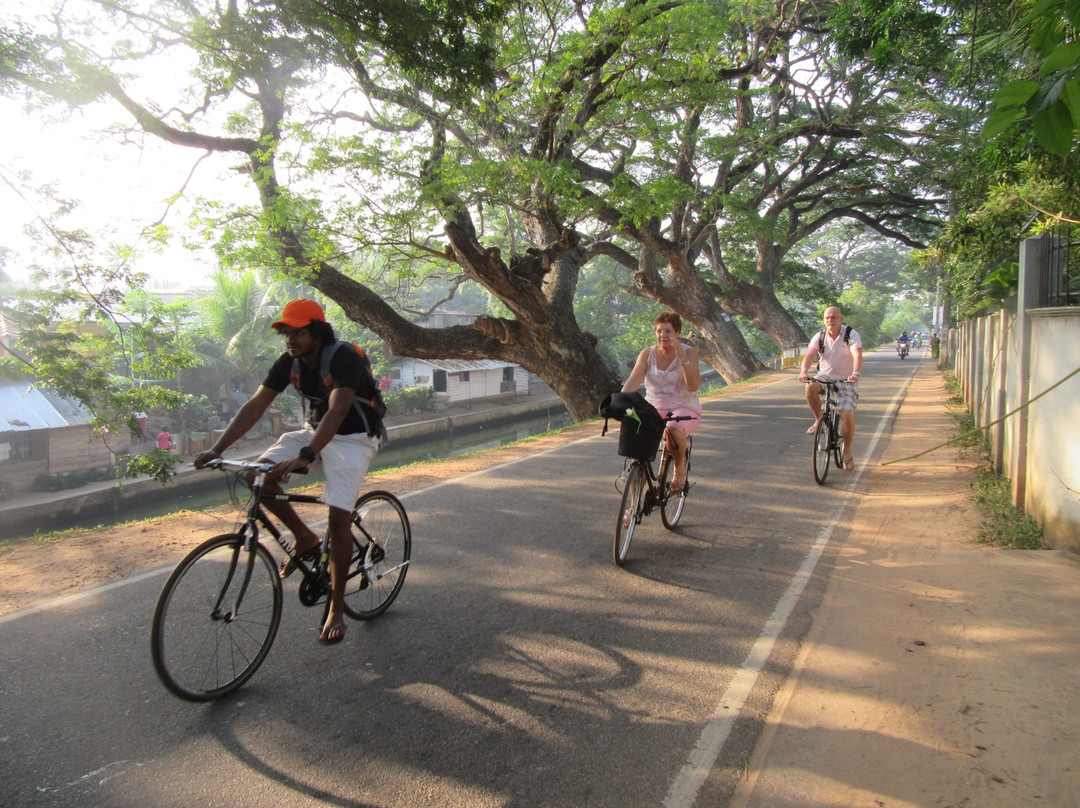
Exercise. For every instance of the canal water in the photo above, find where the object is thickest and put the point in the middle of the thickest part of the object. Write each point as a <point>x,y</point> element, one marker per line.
<point>395,454</point>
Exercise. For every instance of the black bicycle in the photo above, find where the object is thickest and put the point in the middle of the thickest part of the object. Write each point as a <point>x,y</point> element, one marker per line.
<point>828,438</point>
<point>219,611</point>
<point>644,489</point>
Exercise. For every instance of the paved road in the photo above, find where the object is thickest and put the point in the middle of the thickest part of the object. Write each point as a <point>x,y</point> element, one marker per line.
<point>519,666</point>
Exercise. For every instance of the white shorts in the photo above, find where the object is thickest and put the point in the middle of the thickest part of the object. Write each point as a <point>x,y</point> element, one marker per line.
<point>345,460</point>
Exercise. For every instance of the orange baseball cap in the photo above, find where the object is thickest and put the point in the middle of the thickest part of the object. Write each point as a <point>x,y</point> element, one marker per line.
<point>299,314</point>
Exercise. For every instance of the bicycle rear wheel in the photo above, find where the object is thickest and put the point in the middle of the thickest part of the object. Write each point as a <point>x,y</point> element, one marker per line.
<point>630,510</point>
<point>672,503</point>
<point>382,545</point>
<point>822,447</point>
<point>216,618</point>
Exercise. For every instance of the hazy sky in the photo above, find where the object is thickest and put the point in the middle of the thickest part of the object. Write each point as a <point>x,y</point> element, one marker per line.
<point>120,187</point>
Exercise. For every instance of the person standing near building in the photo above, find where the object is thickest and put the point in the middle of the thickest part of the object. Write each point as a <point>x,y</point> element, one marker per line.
<point>840,350</point>
<point>344,438</point>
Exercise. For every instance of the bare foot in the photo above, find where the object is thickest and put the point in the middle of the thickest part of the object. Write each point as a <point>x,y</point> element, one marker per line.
<point>287,566</point>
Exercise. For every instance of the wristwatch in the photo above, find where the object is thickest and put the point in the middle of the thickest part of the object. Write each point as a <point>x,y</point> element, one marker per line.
<point>308,454</point>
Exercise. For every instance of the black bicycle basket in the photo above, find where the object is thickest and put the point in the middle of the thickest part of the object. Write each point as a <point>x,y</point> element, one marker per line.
<point>640,426</point>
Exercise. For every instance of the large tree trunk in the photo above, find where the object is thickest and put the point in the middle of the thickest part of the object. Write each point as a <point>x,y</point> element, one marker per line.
<point>764,311</point>
<point>716,337</point>
<point>551,346</point>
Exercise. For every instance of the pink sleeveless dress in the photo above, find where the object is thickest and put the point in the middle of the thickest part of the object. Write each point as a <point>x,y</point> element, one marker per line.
<point>666,390</point>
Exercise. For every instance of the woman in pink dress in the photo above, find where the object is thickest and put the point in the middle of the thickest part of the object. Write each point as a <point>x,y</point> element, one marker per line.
<point>672,377</point>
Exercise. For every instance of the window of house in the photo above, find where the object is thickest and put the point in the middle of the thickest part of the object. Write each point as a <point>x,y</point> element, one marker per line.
<point>464,375</point>
<point>508,374</point>
<point>25,445</point>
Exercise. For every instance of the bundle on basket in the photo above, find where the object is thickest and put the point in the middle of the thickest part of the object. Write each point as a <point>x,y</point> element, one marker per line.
<point>641,426</point>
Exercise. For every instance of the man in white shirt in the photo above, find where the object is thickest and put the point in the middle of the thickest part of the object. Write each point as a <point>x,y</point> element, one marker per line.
<point>841,352</point>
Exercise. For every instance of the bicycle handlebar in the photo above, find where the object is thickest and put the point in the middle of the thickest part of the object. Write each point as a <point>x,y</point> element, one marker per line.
<point>669,418</point>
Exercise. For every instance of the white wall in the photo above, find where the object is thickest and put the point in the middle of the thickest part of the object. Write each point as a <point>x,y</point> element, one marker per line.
<point>1037,446</point>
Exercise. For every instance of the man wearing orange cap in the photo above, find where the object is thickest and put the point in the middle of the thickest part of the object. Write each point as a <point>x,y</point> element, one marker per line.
<point>337,433</point>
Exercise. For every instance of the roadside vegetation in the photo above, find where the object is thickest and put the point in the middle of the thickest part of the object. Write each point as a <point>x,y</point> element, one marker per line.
<point>1003,524</point>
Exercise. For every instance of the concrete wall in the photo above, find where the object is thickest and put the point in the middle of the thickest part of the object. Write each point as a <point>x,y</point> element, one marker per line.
<point>76,448</point>
<point>1052,493</point>
<point>1019,376</point>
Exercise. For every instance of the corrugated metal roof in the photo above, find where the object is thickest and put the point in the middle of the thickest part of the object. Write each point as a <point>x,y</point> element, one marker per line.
<point>458,365</point>
<point>24,406</point>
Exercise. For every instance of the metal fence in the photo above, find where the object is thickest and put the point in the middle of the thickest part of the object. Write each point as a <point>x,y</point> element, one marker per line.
<point>1060,282</point>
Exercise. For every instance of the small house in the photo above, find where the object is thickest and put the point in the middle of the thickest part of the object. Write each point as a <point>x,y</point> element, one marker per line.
<point>455,380</point>
<point>47,442</point>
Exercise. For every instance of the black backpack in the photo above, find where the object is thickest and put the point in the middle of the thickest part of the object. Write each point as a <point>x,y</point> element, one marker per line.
<point>363,403</point>
<point>641,426</point>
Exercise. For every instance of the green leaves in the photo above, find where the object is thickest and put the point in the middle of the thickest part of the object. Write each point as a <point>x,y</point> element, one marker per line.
<point>1052,104</point>
<point>1053,107</point>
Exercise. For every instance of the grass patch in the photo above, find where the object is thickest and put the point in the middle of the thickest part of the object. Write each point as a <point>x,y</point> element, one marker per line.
<point>1003,524</point>
<point>61,534</point>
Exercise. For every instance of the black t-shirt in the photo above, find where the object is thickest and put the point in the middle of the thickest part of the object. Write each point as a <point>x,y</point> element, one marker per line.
<point>346,369</point>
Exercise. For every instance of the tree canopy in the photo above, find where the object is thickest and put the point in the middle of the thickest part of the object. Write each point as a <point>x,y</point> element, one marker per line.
<point>696,147</point>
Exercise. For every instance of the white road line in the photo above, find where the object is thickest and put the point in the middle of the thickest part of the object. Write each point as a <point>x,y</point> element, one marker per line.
<point>699,763</point>
<point>86,593</point>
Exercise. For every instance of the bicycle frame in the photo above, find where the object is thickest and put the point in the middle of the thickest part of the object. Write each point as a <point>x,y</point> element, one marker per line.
<point>644,490</point>
<point>316,575</point>
<point>827,438</point>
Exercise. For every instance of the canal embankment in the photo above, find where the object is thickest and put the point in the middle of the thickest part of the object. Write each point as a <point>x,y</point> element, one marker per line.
<point>41,512</point>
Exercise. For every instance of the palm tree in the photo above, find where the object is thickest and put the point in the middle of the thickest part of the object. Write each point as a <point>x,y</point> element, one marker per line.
<point>236,319</point>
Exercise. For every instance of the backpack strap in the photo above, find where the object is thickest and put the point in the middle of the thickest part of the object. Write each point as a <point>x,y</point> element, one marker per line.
<point>846,331</point>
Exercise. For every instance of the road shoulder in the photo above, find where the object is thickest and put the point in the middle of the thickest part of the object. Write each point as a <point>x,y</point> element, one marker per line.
<point>938,671</point>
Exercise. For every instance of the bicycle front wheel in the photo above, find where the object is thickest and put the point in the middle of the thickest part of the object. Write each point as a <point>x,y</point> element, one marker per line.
<point>823,439</point>
<point>382,545</point>
<point>838,439</point>
<point>671,502</point>
<point>216,618</point>
<point>631,508</point>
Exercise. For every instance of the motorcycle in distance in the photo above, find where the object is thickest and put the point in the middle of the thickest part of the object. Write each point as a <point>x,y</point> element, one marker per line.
<point>902,349</point>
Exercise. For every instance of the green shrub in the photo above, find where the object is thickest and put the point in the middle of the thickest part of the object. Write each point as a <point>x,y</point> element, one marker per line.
<point>409,399</point>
